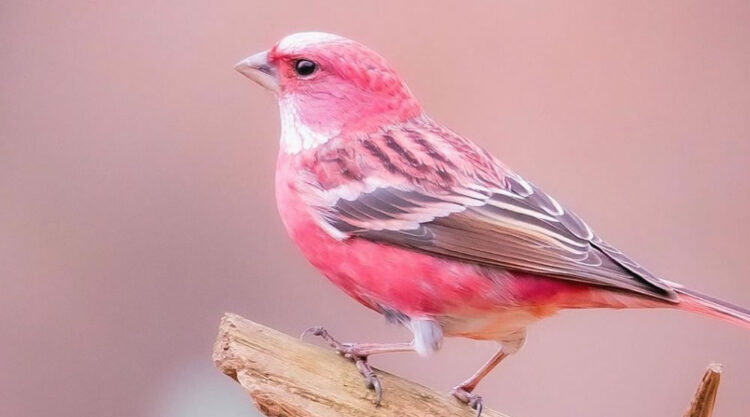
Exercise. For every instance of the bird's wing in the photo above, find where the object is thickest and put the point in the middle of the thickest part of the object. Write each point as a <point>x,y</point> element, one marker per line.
<point>506,222</point>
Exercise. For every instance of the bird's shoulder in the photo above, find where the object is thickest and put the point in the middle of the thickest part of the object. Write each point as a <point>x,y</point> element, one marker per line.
<point>420,154</point>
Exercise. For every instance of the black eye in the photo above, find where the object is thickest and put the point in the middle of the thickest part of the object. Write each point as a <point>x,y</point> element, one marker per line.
<point>305,67</point>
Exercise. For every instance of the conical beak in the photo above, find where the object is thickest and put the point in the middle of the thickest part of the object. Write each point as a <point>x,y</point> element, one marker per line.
<point>258,69</point>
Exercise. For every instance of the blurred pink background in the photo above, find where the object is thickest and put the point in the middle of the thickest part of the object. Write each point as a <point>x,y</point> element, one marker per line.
<point>136,193</point>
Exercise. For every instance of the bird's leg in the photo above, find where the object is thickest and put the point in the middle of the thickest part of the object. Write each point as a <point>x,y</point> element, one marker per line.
<point>358,353</point>
<point>464,391</point>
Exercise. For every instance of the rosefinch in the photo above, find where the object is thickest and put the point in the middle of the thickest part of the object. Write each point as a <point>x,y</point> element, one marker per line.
<point>420,224</point>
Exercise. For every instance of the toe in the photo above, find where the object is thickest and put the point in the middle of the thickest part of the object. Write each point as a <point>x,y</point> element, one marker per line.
<point>476,404</point>
<point>315,331</point>
<point>472,400</point>
<point>373,382</point>
<point>371,379</point>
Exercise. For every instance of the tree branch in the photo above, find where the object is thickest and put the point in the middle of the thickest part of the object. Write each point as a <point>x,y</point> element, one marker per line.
<point>705,398</point>
<point>287,377</point>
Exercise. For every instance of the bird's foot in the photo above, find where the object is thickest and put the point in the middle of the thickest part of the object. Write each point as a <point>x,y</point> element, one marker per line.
<point>354,352</point>
<point>472,400</point>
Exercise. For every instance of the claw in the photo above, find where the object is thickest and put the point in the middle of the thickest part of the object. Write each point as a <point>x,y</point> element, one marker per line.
<point>348,350</point>
<point>472,400</point>
<point>341,348</point>
<point>371,379</point>
<point>375,383</point>
<point>314,330</point>
<point>476,404</point>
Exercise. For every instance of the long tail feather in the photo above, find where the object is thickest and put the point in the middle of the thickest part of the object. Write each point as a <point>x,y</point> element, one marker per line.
<point>692,300</point>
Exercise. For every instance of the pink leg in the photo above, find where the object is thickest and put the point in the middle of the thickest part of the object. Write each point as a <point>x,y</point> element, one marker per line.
<point>358,352</point>
<point>473,381</point>
<point>510,344</point>
<point>464,391</point>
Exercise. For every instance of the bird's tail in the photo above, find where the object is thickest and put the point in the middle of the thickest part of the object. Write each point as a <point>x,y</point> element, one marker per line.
<point>691,300</point>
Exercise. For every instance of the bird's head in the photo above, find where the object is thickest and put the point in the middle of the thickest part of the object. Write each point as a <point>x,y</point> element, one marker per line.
<point>329,85</point>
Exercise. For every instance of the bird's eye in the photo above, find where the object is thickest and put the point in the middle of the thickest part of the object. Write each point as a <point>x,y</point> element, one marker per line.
<point>304,67</point>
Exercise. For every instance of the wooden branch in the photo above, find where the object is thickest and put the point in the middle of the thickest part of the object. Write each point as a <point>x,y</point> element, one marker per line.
<point>705,398</point>
<point>287,377</point>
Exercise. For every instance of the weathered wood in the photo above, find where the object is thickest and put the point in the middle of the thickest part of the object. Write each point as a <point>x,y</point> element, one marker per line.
<point>705,398</point>
<point>287,377</point>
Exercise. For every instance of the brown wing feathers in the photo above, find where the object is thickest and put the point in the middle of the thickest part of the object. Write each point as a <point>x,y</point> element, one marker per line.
<point>491,217</point>
<point>489,234</point>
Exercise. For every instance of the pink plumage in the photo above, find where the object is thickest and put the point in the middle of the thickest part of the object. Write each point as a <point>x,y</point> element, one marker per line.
<point>419,223</point>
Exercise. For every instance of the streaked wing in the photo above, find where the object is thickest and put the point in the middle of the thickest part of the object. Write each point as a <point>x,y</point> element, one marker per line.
<point>519,228</point>
<point>428,189</point>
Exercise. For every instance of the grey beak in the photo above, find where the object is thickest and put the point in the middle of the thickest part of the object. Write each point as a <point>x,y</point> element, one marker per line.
<point>258,69</point>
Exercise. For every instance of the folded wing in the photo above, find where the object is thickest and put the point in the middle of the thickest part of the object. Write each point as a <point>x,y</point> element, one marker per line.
<point>515,227</point>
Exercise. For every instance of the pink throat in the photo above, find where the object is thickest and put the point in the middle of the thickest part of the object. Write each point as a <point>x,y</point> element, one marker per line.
<point>343,111</point>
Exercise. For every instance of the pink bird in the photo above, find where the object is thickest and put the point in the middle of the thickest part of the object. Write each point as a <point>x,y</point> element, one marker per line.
<point>420,224</point>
